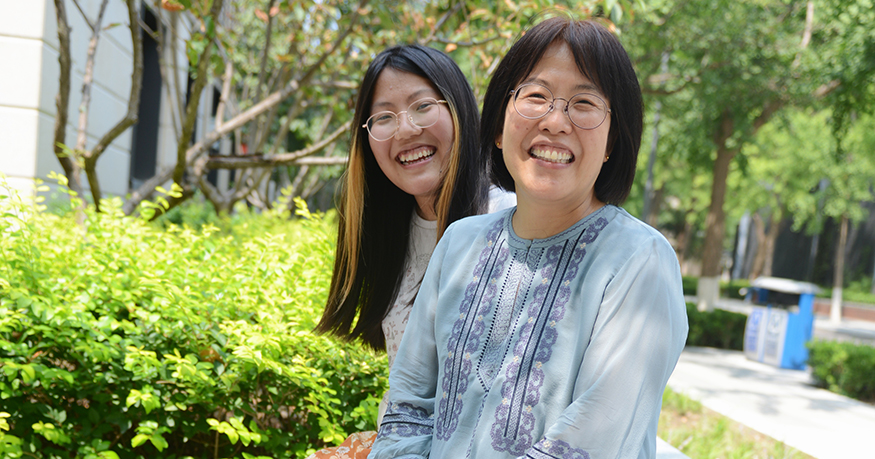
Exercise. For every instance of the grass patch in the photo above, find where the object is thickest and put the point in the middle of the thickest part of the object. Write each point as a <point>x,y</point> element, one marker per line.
<point>703,434</point>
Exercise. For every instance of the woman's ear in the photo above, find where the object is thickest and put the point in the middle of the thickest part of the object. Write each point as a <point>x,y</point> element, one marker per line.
<point>612,139</point>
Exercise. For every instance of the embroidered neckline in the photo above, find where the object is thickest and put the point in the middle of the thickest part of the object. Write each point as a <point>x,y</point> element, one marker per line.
<point>518,242</point>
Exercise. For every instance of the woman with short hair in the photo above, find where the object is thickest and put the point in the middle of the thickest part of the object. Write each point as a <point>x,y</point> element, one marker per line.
<point>549,330</point>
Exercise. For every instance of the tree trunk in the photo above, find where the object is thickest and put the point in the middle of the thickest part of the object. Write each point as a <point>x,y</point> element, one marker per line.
<point>873,277</point>
<point>759,260</point>
<point>835,311</point>
<point>655,206</point>
<point>649,195</point>
<point>771,238</point>
<point>684,237</point>
<point>715,222</point>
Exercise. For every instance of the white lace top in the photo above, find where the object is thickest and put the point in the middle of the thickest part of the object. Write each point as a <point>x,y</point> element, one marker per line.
<point>423,237</point>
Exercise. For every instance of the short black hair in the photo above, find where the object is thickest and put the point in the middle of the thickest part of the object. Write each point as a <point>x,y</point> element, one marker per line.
<point>601,58</point>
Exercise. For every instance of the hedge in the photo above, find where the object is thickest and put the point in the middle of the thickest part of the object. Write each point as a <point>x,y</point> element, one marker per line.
<point>843,367</point>
<point>717,328</point>
<point>728,289</point>
<point>120,338</point>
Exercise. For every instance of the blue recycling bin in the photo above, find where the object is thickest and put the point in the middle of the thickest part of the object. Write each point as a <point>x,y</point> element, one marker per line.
<point>780,323</point>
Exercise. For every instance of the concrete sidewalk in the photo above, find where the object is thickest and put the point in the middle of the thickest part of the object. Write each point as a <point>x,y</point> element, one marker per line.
<point>777,402</point>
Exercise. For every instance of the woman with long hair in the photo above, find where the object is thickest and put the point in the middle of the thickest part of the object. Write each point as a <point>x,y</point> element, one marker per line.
<point>413,170</point>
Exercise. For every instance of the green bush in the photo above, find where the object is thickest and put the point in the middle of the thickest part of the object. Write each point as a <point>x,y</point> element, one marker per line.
<point>729,289</point>
<point>843,367</point>
<point>691,284</point>
<point>122,339</point>
<point>857,292</point>
<point>717,328</point>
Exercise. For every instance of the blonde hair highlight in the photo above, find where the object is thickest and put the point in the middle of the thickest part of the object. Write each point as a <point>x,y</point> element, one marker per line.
<point>448,178</point>
<point>351,213</point>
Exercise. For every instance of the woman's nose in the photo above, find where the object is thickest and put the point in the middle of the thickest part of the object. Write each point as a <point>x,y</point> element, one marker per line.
<point>556,120</point>
<point>406,127</point>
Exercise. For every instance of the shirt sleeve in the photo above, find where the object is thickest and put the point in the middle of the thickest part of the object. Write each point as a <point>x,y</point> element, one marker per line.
<point>636,341</point>
<point>408,425</point>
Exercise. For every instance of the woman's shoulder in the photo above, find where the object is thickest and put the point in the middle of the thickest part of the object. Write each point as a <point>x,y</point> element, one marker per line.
<point>623,225</point>
<point>477,223</point>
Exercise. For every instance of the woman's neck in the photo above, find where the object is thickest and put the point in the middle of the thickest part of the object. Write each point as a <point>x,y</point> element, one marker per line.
<point>425,207</point>
<point>537,220</point>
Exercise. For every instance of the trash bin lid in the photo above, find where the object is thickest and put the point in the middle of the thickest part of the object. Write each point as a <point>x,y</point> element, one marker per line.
<point>779,284</point>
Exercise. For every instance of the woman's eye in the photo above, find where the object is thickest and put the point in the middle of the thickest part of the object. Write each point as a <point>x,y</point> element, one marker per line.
<point>424,106</point>
<point>585,103</point>
<point>383,118</point>
<point>536,96</point>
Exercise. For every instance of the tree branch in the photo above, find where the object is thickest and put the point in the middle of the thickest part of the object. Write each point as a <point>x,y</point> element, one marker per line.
<point>260,161</point>
<point>84,16</point>
<point>254,140</point>
<point>806,33</point>
<point>193,102</point>
<point>322,161</point>
<point>88,79</point>
<point>440,23</point>
<point>463,44</point>
<point>62,101</point>
<point>337,84</point>
<point>133,100</point>
<point>226,90</point>
<point>193,152</point>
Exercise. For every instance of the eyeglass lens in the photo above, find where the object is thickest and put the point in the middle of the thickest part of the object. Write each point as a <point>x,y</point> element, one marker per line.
<point>423,113</point>
<point>586,111</point>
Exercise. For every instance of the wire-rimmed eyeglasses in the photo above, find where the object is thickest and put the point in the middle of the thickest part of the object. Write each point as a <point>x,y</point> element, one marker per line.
<point>585,110</point>
<point>423,113</point>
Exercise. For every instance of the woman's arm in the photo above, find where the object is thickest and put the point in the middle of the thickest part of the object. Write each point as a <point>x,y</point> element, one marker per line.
<point>408,425</point>
<point>636,341</point>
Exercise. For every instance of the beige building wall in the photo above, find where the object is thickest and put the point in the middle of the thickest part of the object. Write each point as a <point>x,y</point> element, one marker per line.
<point>29,74</point>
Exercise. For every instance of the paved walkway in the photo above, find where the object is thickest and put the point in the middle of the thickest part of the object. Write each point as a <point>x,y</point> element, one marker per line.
<point>777,402</point>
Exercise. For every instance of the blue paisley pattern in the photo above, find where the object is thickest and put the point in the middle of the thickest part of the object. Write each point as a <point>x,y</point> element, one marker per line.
<point>465,337</point>
<point>514,426</point>
<point>406,420</point>
<point>555,449</point>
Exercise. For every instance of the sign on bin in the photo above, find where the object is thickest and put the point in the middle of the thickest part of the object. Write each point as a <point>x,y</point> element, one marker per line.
<point>776,331</point>
<point>765,335</point>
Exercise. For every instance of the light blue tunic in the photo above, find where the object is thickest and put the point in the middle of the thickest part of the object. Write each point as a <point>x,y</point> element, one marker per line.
<point>546,348</point>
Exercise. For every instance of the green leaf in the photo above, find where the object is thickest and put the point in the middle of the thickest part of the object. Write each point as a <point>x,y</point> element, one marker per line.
<point>139,439</point>
<point>28,374</point>
<point>158,442</point>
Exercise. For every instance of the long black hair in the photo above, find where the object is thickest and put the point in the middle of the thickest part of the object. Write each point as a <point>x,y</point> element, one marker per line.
<point>374,214</point>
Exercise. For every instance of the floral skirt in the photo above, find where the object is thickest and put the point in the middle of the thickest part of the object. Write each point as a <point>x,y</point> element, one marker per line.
<point>356,446</point>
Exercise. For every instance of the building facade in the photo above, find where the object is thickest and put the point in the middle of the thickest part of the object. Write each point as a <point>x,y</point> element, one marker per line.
<point>29,82</point>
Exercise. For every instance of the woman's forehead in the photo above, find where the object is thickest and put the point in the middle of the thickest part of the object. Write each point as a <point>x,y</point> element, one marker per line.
<point>558,69</point>
<point>395,88</point>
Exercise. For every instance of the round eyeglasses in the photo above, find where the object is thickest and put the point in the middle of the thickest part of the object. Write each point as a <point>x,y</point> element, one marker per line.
<point>585,110</point>
<point>423,113</point>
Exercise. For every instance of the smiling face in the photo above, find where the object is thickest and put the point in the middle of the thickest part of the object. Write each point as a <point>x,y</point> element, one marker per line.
<point>554,164</point>
<point>414,158</point>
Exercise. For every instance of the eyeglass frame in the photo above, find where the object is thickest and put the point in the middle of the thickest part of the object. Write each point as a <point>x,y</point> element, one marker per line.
<point>398,118</point>
<point>515,94</point>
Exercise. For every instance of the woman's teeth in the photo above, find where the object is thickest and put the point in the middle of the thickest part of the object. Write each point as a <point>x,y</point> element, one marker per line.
<point>416,155</point>
<point>552,156</point>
